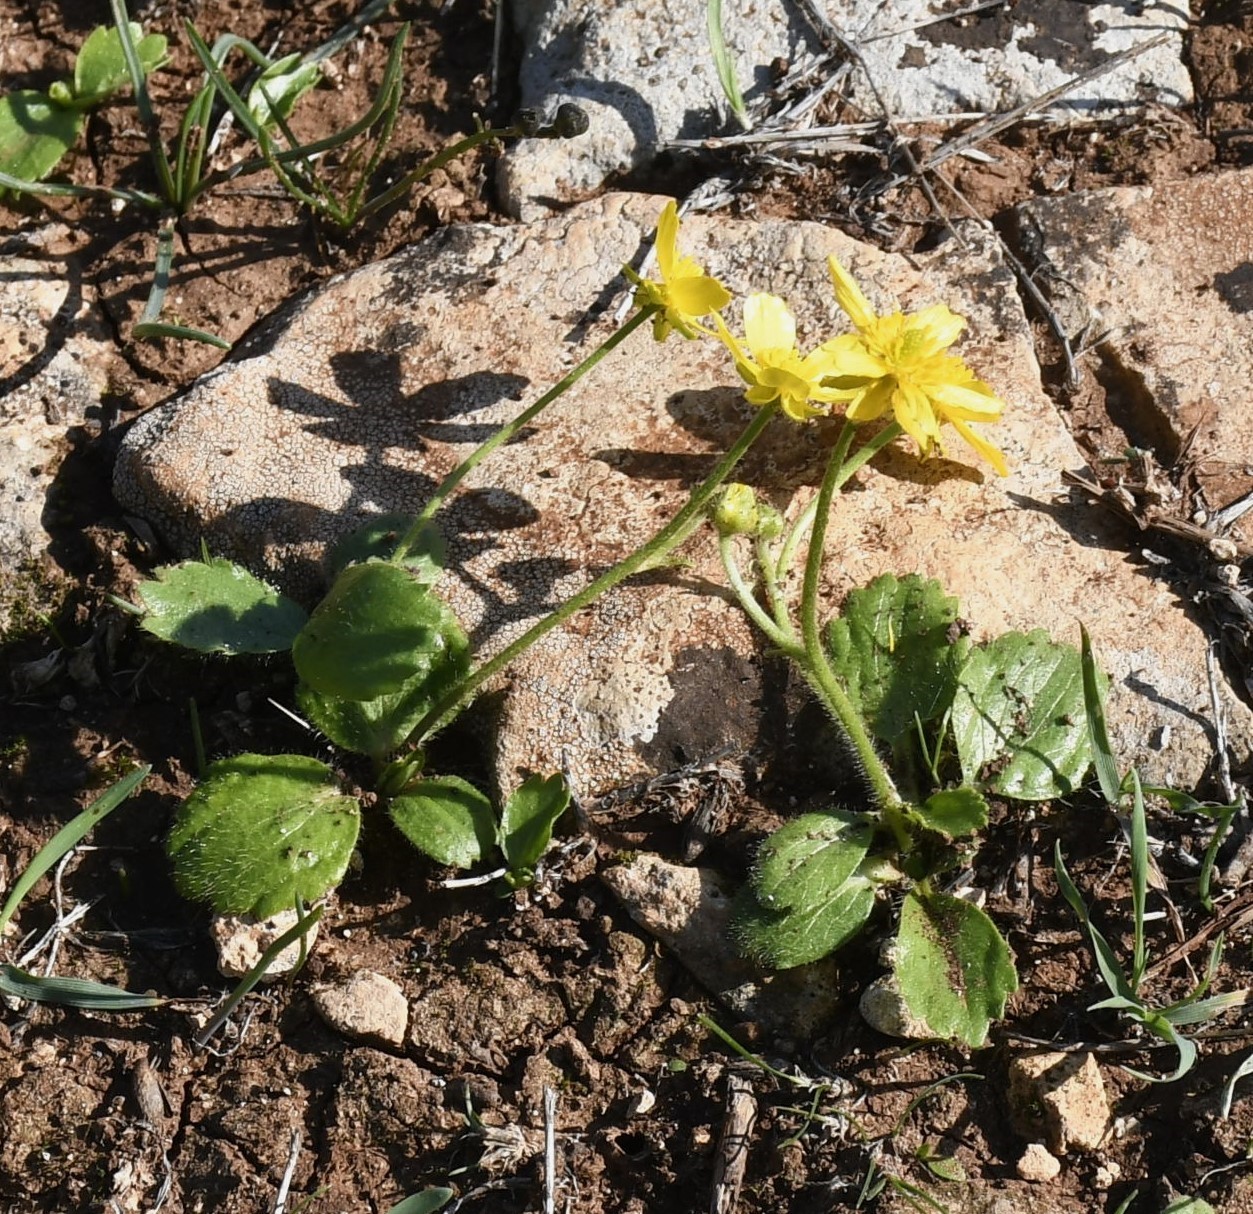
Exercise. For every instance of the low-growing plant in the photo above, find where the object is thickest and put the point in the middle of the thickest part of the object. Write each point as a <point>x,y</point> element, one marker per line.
<point>36,130</point>
<point>383,665</point>
<point>1125,984</point>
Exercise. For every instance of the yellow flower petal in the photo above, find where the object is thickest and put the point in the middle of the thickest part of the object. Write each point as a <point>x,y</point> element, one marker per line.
<point>965,401</point>
<point>698,295</point>
<point>873,401</point>
<point>667,239</point>
<point>851,357</point>
<point>849,296</point>
<point>939,329</point>
<point>768,325</point>
<point>990,453</point>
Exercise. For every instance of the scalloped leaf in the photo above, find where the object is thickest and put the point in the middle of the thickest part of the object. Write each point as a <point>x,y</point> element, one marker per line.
<point>376,539</point>
<point>377,629</point>
<point>262,831</point>
<point>954,968</point>
<point>1019,721</point>
<point>893,647</point>
<point>447,819</point>
<point>216,606</point>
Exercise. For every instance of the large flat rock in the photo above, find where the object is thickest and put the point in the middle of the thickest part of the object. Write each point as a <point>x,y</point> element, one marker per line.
<point>361,395</point>
<point>1167,275</point>
<point>645,75</point>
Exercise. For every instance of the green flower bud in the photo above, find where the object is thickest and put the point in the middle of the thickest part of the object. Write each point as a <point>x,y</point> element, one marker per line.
<point>769,522</point>
<point>735,512</point>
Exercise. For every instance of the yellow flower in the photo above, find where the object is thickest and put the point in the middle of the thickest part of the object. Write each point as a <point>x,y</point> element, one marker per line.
<point>773,367</point>
<point>899,362</point>
<point>685,291</point>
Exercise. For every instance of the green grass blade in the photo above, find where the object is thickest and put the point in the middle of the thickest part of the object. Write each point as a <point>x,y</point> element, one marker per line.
<point>723,65</point>
<point>143,101</point>
<point>1229,1088</point>
<point>426,1202</point>
<point>72,992</point>
<point>69,836</point>
<point>1098,731</point>
<point>1106,959</point>
<point>1139,879</point>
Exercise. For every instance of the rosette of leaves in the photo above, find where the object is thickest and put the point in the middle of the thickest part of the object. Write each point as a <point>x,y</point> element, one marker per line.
<point>961,722</point>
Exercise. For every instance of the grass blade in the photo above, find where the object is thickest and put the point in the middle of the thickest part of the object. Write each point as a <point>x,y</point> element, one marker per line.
<point>1106,959</point>
<point>1139,879</point>
<point>1098,731</point>
<point>72,992</point>
<point>723,65</point>
<point>69,836</point>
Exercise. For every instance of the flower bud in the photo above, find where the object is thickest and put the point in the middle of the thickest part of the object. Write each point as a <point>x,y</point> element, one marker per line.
<point>571,120</point>
<point>735,512</point>
<point>528,122</point>
<point>769,522</point>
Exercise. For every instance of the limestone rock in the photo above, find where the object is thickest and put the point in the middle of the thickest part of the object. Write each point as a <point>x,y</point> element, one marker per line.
<point>645,75</point>
<point>883,1007</point>
<point>53,370</point>
<point>1060,1097</point>
<point>1038,1163</point>
<point>689,911</point>
<point>1167,272</point>
<point>357,400</point>
<point>998,59</point>
<point>241,939</point>
<point>368,1007</point>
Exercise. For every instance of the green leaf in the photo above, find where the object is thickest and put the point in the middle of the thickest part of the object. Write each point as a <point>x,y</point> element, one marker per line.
<point>807,860</point>
<point>723,65</point>
<point>279,87</point>
<point>954,968</point>
<point>448,819</point>
<point>891,647</point>
<point>262,831</point>
<point>1018,718</point>
<point>1106,959</point>
<point>100,68</point>
<point>72,992</point>
<point>376,630</point>
<point>955,812</point>
<point>377,538</point>
<point>526,823</point>
<point>1189,1205</point>
<point>34,134</point>
<point>375,727</point>
<point>215,606</point>
<point>1098,732</point>
<point>426,1202</point>
<point>808,931</point>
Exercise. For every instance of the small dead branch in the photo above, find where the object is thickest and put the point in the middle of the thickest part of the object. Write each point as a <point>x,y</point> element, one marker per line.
<point>737,1132</point>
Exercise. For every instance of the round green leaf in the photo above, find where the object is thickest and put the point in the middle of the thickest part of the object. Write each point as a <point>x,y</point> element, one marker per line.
<point>374,632</point>
<point>34,134</point>
<point>448,819</point>
<point>807,932</point>
<point>954,968</point>
<point>805,862</point>
<point>100,68</point>
<point>216,606</point>
<point>526,822</point>
<point>262,831</point>
<point>955,812</point>
<point>376,539</point>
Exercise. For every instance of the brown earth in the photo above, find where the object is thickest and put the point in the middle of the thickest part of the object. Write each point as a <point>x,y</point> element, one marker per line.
<point>556,988</point>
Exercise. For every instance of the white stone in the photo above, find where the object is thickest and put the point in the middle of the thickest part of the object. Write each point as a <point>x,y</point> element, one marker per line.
<point>644,72</point>
<point>883,1007</point>
<point>240,941</point>
<point>1038,1163</point>
<point>1061,1096</point>
<point>368,1007</point>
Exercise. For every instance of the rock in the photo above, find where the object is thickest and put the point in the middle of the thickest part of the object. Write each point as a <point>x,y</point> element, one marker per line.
<point>54,355</point>
<point>1060,1097</point>
<point>645,74</point>
<point>240,940</point>
<point>882,1006</point>
<point>358,398</point>
<point>1038,1164</point>
<point>1167,272</point>
<point>368,1007</point>
<point>998,59</point>
<point>689,911</point>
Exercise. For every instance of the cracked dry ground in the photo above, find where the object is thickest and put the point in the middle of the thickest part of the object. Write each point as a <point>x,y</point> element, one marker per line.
<point>558,989</point>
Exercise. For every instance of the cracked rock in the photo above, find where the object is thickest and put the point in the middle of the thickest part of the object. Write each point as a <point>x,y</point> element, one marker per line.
<point>1060,1097</point>
<point>368,1007</point>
